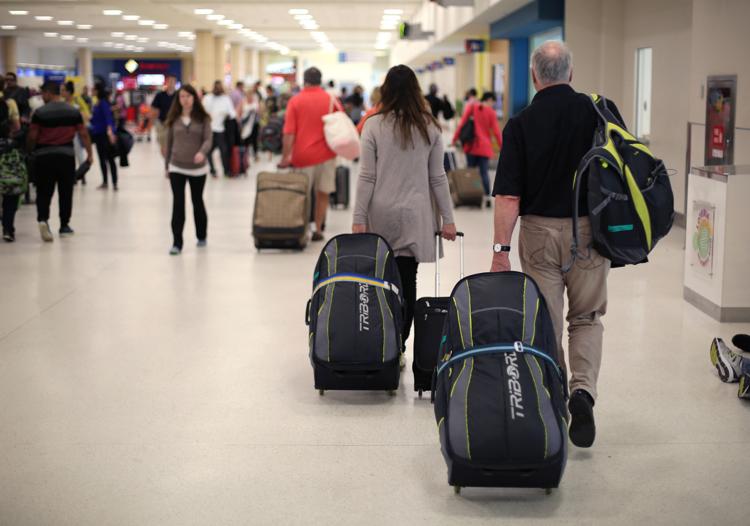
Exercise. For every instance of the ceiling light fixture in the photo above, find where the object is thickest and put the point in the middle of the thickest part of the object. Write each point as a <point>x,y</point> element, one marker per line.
<point>43,18</point>
<point>67,37</point>
<point>8,28</point>
<point>213,18</point>
<point>298,11</point>
<point>84,26</point>
<point>82,39</point>
<point>146,22</point>
<point>50,35</point>
<point>303,17</point>
<point>131,18</point>
<point>201,11</point>
<point>109,44</point>
<point>117,34</point>
<point>65,22</point>
<point>393,11</point>
<point>236,26</point>
<point>184,34</point>
<point>226,22</point>
<point>112,12</point>
<point>119,45</point>
<point>161,26</point>
<point>142,40</point>
<point>18,13</point>
<point>131,37</point>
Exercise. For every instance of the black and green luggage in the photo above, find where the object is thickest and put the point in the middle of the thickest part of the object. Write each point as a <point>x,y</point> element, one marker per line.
<point>499,390</point>
<point>355,315</point>
<point>629,197</point>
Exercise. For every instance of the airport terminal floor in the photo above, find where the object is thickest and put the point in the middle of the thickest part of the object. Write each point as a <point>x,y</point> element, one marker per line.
<point>141,388</point>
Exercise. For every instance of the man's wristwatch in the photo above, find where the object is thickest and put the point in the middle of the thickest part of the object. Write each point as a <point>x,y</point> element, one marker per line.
<point>498,248</point>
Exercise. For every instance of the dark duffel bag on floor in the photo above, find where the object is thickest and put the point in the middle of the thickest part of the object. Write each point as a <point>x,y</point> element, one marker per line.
<point>354,315</point>
<point>341,196</point>
<point>282,208</point>
<point>499,391</point>
<point>429,315</point>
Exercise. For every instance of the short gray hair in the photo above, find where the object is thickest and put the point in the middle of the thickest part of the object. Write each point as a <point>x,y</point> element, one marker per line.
<point>552,62</point>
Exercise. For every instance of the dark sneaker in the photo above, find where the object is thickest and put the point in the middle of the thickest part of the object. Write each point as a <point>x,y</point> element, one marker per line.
<point>66,231</point>
<point>201,243</point>
<point>45,232</point>
<point>582,427</point>
<point>9,237</point>
<point>744,390</point>
<point>317,236</point>
<point>727,362</point>
<point>175,251</point>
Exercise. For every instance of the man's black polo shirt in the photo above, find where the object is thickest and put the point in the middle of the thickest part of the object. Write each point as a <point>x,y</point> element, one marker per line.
<point>542,147</point>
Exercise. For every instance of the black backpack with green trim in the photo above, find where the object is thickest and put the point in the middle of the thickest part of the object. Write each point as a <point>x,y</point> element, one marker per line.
<point>630,200</point>
<point>13,171</point>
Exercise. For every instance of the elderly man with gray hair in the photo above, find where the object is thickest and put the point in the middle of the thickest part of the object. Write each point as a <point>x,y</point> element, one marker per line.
<point>542,146</point>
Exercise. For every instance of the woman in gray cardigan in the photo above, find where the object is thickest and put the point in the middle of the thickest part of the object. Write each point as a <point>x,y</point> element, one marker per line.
<point>401,175</point>
<point>189,140</point>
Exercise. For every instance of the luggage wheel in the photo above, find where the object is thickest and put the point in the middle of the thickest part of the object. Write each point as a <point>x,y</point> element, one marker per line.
<point>321,392</point>
<point>457,490</point>
<point>420,393</point>
<point>391,392</point>
<point>548,491</point>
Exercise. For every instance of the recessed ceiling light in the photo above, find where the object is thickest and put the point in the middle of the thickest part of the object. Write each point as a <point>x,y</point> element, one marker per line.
<point>131,37</point>
<point>142,40</point>
<point>84,26</point>
<point>112,12</point>
<point>8,28</point>
<point>303,17</point>
<point>393,11</point>
<point>43,18</point>
<point>184,34</point>
<point>201,11</point>
<point>50,35</point>
<point>82,39</point>
<point>117,34</point>
<point>298,11</point>
<point>236,26</point>
<point>161,26</point>
<point>131,18</point>
<point>65,22</point>
<point>226,22</point>
<point>215,17</point>
<point>67,37</point>
<point>146,22</point>
<point>119,45</point>
<point>18,13</point>
<point>109,44</point>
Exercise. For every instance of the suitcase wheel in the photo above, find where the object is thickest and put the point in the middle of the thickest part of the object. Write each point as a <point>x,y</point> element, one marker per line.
<point>321,392</point>
<point>548,491</point>
<point>391,392</point>
<point>457,490</point>
<point>420,393</point>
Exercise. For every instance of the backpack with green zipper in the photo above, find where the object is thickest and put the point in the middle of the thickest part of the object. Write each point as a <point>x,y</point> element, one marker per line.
<point>13,171</point>
<point>630,200</point>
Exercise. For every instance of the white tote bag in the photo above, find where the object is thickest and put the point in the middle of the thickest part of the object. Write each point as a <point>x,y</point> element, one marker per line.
<point>340,133</point>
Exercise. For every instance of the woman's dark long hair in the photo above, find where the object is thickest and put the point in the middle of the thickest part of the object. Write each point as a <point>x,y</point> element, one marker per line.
<point>402,97</point>
<point>198,112</point>
<point>101,92</point>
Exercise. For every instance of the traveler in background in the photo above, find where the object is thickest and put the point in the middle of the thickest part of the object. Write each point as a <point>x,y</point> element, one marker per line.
<point>160,107</point>
<point>68,93</point>
<point>271,101</point>
<point>375,99</point>
<point>9,124</point>
<point>470,98</point>
<point>219,106</point>
<point>20,95</point>
<point>402,172</point>
<point>305,144</point>
<point>53,127</point>
<point>331,89</point>
<point>355,104</point>
<point>249,112</point>
<point>436,103</point>
<point>238,95</point>
<point>189,142</point>
<point>86,97</point>
<point>479,151</point>
<point>102,129</point>
<point>542,147</point>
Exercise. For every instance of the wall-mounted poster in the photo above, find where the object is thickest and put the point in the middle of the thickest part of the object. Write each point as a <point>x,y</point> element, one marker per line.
<point>703,238</point>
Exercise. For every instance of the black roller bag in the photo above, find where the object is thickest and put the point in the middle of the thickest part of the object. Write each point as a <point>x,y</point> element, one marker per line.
<point>429,315</point>
<point>355,315</point>
<point>500,393</point>
<point>340,198</point>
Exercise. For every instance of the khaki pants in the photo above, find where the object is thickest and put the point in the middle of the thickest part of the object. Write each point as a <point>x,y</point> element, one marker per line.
<point>545,249</point>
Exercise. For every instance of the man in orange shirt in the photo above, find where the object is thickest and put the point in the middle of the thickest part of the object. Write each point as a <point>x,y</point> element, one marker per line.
<point>305,144</point>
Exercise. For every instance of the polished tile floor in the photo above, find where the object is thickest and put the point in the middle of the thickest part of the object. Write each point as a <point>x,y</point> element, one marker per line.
<point>138,388</point>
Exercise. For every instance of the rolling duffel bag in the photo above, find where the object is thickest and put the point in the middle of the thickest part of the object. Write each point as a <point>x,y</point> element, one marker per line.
<point>282,208</point>
<point>466,187</point>
<point>499,390</point>
<point>429,315</point>
<point>354,315</point>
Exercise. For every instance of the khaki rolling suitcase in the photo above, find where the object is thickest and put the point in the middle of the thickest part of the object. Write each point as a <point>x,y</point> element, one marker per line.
<point>282,209</point>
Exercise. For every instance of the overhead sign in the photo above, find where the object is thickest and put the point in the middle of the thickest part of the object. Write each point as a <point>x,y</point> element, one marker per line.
<point>475,45</point>
<point>131,66</point>
<point>449,61</point>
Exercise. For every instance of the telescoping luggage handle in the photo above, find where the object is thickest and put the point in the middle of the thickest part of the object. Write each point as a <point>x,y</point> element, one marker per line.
<point>460,236</point>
